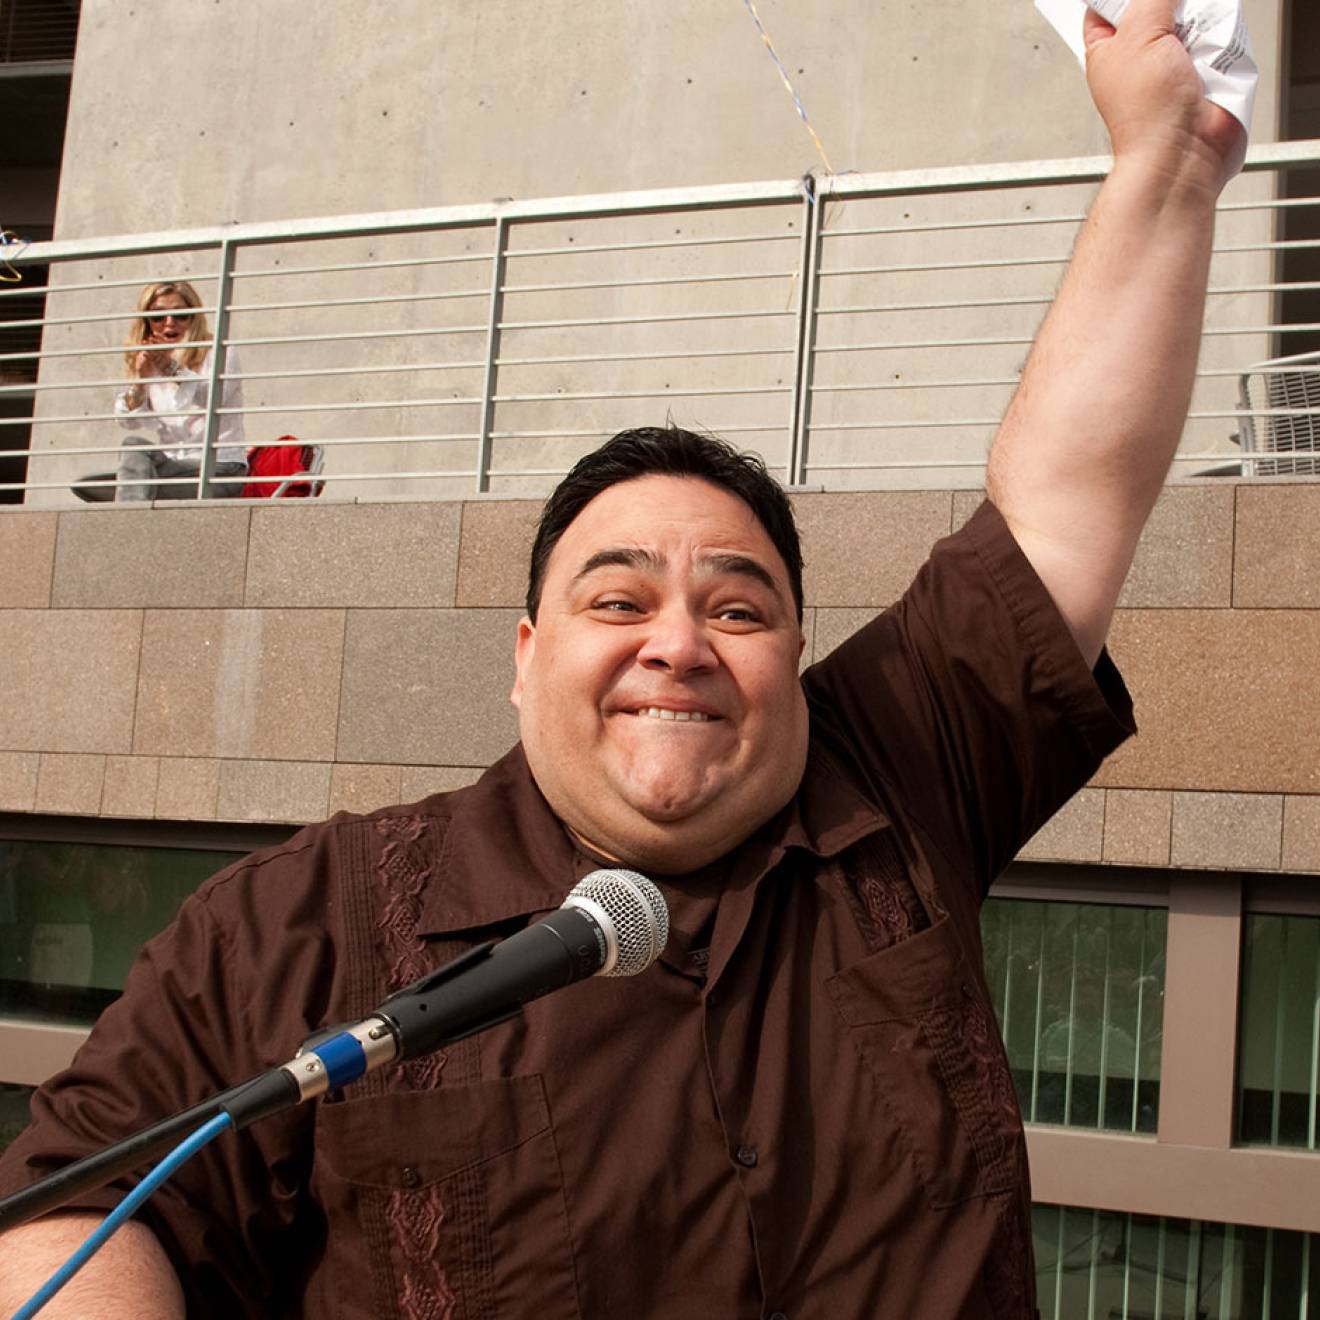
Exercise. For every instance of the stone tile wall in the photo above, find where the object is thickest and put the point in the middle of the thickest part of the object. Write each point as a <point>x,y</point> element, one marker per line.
<point>283,661</point>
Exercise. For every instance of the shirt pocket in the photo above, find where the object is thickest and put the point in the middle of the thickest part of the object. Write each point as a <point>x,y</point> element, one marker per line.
<point>458,1199</point>
<point>919,1019</point>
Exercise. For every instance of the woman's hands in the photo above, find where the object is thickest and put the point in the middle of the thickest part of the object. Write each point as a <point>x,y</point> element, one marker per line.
<point>153,362</point>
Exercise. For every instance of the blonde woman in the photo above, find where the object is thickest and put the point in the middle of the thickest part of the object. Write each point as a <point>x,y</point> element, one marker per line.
<point>169,361</point>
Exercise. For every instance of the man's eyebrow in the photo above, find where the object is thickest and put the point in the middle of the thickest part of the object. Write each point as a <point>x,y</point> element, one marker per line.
<point>743,567</point>
<point>648,561</point>
<point>622,556</point>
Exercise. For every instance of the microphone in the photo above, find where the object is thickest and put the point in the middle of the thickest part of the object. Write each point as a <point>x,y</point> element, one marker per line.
<point>613,923</point>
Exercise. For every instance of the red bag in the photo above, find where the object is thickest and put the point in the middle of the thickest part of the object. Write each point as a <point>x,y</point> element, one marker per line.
<point>277,461</point>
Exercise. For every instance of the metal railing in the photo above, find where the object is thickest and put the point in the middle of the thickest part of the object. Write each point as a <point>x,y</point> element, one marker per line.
<point>1106,1265</point>
<point>857,331</point>
<point>38,31</point>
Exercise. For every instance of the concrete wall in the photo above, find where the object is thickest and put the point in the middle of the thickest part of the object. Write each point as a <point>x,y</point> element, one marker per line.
<point>421,105</point>
<point>242,110</point>
<point>279,662</point>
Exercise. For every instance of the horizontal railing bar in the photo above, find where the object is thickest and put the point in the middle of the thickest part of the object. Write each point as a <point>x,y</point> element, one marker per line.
<point>650,245</point>
<point>953,226</point>
<point>954,305</point>
<point>868,386</point>
<point>1007,341</point>
<point>380,369</point>
<point>578,322</point>
<point>325,477</point>
<point>989,263</point>
<point>360,405</point>
<point>1278,245</point>
<point>346,335</point>
<point>371,264</point>
<point>115,383</point>
<point>300,373</point>
<point>147,419</point>
<point>92,318</point>
<point>372,300</point>
<point>426,437</point>
<point>1206,373</point>
<point>907,424</point>
<point>1270,204</point>
<point>657,282</point>
<point>892,463</point>
<point>740,429</point>
<point>936,424</point>
<point>1036,300</point>
<point>900,463</point>
<point>677,354</point>
<point>1026,221</point>
<point>82,286</point>
<point>666,392</point>
<point>239,340</point>
<point>836,187</point>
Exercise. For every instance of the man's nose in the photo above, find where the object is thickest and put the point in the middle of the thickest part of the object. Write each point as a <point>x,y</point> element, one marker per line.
<point>677,643</point>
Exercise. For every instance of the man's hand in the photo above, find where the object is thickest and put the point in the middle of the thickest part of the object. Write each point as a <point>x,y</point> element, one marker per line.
<point>1149,94</point>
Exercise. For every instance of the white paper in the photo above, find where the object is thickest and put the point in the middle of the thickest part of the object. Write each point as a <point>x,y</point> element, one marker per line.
<point>1214,32</point>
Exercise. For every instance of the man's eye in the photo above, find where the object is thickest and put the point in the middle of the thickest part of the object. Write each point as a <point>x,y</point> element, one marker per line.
<point>739,614</point>
<point>615,606</point>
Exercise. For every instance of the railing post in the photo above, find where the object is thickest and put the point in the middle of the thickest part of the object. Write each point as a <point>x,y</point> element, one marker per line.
<point>806,330</point>
<point>224,285</point>
<point>492,352</point>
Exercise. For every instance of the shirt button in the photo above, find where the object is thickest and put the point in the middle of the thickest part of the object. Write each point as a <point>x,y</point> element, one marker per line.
<point>411,1178</point>
<point>968,991</point>
<point>779,1315</point>
<point>746,1156</point>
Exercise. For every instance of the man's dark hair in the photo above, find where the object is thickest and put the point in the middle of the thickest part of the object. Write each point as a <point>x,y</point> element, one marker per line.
<point>667,451</point>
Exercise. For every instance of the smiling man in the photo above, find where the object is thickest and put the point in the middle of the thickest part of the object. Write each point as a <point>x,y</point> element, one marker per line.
<point>657,686</point>
<point>802,1109</point>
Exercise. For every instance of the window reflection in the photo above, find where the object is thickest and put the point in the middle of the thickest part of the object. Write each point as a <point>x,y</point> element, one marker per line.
<point>1279,1031</point>
<point>1079,991</point>
<point>74,916</point>
<point>13,1111</point>
<point>1136,1267</point>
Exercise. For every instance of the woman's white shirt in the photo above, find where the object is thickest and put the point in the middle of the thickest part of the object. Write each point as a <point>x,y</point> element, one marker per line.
<point>185,393</point>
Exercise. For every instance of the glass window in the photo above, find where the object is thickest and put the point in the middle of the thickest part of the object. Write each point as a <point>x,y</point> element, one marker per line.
<point>13,1111</point>
<point>1279,1030</point>
<point>1100,1265</point>
<point>1079,990</point>
<point>73,917</point>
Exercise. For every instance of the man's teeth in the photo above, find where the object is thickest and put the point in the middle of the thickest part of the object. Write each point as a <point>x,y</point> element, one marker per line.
<point>664,713</point>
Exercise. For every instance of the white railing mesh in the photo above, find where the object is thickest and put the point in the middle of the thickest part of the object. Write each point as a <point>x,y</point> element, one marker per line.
<point>865,336</point>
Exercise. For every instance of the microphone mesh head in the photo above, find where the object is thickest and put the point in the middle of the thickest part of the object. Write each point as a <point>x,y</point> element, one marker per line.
<point>638,913</point>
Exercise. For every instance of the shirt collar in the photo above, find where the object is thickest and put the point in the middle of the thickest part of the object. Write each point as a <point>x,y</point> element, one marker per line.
<point>519,859</point>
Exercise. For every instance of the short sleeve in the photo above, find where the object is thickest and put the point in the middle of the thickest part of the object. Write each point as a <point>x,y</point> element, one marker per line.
<point>967,707</point>
<point>196,1018</point>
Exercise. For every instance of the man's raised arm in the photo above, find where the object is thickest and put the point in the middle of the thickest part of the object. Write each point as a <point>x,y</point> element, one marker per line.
<point>1083,449</point>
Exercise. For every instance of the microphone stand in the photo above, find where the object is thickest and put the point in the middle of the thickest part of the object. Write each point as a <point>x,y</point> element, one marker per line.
<point>268,1093</point>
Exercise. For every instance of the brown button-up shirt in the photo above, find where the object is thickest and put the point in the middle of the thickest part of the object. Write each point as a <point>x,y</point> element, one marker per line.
<point>802,1108</point>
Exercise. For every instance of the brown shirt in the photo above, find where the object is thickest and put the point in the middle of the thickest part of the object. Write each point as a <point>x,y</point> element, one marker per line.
<point>812,1118</point>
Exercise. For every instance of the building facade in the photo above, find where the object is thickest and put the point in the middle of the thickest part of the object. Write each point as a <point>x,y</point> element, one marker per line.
<point>183,683</point>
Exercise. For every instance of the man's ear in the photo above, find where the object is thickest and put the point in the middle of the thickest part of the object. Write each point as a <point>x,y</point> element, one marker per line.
<point>523,651</point>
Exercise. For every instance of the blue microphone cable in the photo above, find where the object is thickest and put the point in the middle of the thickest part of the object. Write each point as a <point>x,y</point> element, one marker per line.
<point>185,1150</point>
